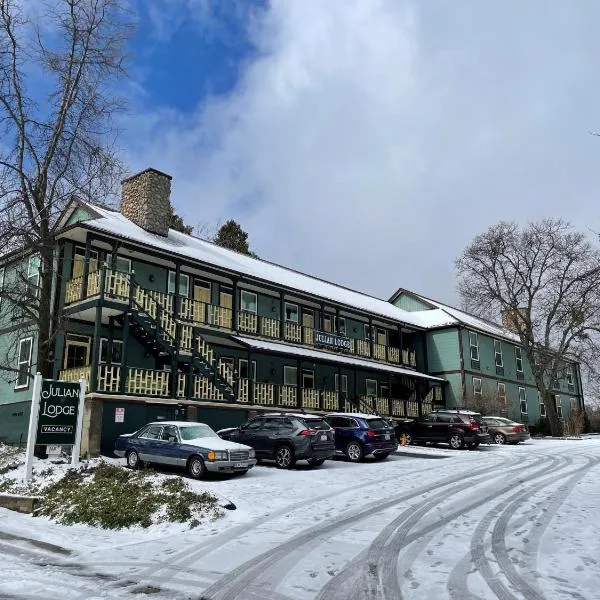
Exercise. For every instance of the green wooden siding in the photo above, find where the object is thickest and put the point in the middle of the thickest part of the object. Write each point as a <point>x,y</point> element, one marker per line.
<point>410,303</point>
<point>443,350</point>
<point>78,215</point>
<point>14,422</point>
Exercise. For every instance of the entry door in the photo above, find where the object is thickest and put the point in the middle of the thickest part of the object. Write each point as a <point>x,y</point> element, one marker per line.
<point>308,379</point>
<point>202,291</point>
<point>77,353</point>
<point>308,319</point>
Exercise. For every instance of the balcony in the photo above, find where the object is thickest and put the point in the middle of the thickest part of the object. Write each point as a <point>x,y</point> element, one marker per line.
<point>155,383</point>
<point>121,287</point>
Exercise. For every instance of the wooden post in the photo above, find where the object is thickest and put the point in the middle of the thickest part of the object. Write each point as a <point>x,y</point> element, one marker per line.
<point>97,333</point>
<point>86,265</point>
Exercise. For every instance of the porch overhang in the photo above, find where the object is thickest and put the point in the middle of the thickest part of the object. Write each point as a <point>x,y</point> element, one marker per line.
<point>339,359</point>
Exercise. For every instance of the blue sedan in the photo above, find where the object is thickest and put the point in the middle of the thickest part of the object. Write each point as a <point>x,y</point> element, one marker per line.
<point>194,446</point>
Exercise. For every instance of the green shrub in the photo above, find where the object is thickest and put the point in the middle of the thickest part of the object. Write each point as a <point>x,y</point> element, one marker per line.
<point>113,498</point>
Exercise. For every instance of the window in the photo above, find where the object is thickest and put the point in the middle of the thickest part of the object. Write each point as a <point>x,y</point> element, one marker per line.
<point>569,368</point>
<point>117,351</point>
<point>152,433</point>
<point>24,363</point>
<point>371,387</point>
<point>226,360</point>
<point>122,264</point>
<point>77,351</point>
<point>290,375</point>
<point>291,312</point>
<point>519,360</point>
<point>243,369</point>
<point>367,332</point>
<point>523,400</point>
<point>498,353</point>
<point>202,291</point>
<point>502,393</point>
<point>79,261</point>
<point>558,406</point>
<point>249,302</point>
<point>344,389</point>
<point>184,284</point>
<point>33,275</point>
<point>384,390</point>
<point>170,434</point>
<point>477,388</point>
<point>556,384</point>
<point>341,326</point>
<point>308,319</point>
<point>542,406</point>
<point>327,323</point>
<point>573,404</point>
<point>381,337</point>
<point>226,297</point>
<point>308,379</point>
<point>473,345</point>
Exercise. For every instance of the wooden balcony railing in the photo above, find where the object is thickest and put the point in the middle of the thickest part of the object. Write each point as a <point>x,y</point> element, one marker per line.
<point>161,306</point>
<point>75,374</point>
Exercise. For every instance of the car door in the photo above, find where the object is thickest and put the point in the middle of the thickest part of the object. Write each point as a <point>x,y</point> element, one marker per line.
<point>169,447</point>
<point>147,443</point>
<point>265,437</point>
<point>247,433</point>
<point>422,429</point>
<point>341,425</point>
<point>442,427</point>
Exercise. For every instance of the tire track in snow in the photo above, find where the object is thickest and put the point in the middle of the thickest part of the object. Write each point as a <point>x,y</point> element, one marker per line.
<point>356,581</point>
<point>457,585</point>
<point>231,585</point>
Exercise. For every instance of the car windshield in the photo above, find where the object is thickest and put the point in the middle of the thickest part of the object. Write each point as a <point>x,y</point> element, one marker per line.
<point>196,431</point>
<point>316,423</point>
<point>376,424</point>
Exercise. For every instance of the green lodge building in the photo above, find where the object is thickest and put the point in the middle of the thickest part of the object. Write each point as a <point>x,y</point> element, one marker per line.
<point>163,325</point>
<point>484,366</point>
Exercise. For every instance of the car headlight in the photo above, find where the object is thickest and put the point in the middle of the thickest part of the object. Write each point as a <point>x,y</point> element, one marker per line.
<point>251,453</point>
<point>218,455</point>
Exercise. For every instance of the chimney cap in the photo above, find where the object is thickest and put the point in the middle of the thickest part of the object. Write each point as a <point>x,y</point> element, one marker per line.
<point>148,170</point>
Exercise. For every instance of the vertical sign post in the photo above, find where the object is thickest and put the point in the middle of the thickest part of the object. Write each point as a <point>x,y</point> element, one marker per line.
<point>78,430</point>
<point>33,420</point>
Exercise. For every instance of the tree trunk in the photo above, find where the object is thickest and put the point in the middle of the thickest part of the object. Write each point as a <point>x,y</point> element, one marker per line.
<point>556,426</point>
<point>45,364</point>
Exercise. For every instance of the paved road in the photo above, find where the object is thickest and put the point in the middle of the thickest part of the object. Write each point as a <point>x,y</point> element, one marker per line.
<point>494,523</point>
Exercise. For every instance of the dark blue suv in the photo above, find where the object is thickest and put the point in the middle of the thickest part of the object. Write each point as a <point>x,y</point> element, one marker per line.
<point>358,435</point>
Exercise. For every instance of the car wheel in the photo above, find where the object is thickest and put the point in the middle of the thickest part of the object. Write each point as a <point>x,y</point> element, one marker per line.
<point>133,460</point>
<point>316,462</point>
<point>381,456</point>
<point>284,457</point>
<point>354,452</point>
<point>196,468</point>
<point>456,441</point>
<point>473,445</point>
<point>499,438</point>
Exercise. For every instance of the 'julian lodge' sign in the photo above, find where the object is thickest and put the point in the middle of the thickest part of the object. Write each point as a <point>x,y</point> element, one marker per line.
<point>331,340</point>
<point>59,402</point>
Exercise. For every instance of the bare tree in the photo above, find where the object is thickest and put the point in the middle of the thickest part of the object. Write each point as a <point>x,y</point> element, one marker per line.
<point>544,279</point>
<point>58,70</point>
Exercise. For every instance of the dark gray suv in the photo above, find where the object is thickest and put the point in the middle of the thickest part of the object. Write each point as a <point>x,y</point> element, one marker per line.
<point>286,438</point>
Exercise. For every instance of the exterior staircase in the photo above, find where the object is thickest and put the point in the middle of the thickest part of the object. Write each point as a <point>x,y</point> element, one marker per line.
<point>152,322</point>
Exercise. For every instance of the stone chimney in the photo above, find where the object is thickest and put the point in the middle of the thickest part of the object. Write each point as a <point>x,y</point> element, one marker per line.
<point>513,318</point>
<point>145,200</point>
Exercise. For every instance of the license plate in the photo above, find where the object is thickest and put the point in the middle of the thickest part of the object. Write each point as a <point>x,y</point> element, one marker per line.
<point>239,465</point>
<point>387,436</point>
<point>53,450</point>
<point>324,437</point>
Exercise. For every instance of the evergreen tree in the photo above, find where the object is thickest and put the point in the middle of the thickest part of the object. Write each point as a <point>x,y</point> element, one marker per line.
<point>232,236</point>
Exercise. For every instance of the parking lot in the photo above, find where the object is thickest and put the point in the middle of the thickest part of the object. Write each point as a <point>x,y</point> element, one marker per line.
<point>500,522</point>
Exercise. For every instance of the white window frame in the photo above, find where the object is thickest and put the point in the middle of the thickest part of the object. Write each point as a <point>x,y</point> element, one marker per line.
<point>1,283</point>
<point>119,257</point>
<point>498,353</point>
<point>503,394</point>
<point>519,360</point>
<point>336,383</point>
<point>104,341</point>
<point>285,312</point>
<point>309,373</point>
<point>24,386</point>
<point>473,346</point>
<point>171,284</point>
<point>558,406</point>
<point>288,369</point>
<point>523,400</point>
<point>35,276</point>
<point>251,373</point>
<point>569,368</point>
<point>252,302</point>
<point>477,393</point>
<point>371,381</point>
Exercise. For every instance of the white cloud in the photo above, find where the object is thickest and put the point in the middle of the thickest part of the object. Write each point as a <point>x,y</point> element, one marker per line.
<point>369,141</point>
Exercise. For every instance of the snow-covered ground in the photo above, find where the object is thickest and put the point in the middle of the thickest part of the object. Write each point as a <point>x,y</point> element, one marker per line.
<point>501,522</point>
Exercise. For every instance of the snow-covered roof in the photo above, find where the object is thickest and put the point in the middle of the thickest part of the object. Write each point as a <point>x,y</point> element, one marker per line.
<point>178,423</point>
<point>205,252</point>
<point>343,359</point>
<point>471,320</point>
<point>291,414</point>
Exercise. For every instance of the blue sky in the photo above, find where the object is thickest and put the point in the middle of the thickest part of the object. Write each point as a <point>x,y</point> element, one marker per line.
<point>368,142</point>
